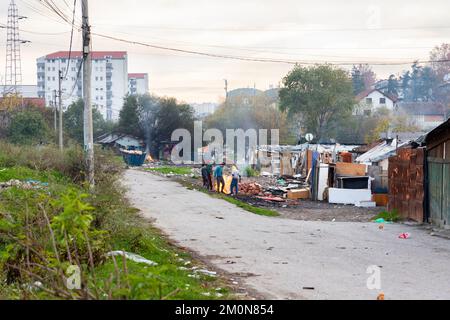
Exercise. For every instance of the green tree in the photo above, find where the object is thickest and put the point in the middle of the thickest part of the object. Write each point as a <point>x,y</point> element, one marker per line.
<point>129,117</point>
<point>74,120</point>
<point>363,78</point>
<point>154,119</point>
<point>28,127</point>
<point>320,94</point>
<point>392,88</point>
<point>170,116</point>
<point>357,81</point>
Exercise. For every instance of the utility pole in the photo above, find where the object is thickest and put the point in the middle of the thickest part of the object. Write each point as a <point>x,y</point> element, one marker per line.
<point>54,111</point>
<point>87,71</point>
<point>61,142</point>
<point>226,91</point>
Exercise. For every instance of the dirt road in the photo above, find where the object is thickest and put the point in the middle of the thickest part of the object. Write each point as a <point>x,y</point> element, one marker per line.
<point>291,259</point>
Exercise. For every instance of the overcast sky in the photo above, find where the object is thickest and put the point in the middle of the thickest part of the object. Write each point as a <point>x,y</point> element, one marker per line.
<point>300,30</point>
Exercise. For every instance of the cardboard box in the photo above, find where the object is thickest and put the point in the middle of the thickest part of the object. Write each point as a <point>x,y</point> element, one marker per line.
<point>351,169</point>
<point>298,194</point>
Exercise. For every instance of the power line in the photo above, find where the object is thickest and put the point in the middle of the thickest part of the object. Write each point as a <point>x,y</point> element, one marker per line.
<point>71,38</point>
<point>54,8</point>
<point>270,60</point>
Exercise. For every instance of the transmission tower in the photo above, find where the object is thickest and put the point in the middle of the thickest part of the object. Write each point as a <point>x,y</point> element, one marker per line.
<point>13,74</point>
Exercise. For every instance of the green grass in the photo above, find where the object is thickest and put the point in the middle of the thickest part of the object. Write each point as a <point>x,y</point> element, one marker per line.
<point>390,216</point>
<point>172,278</point>
<point>236,202</point>
<point>171,170</point>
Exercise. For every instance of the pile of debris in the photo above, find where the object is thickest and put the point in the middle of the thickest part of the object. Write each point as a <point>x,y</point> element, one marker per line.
<point>26,185</point>
<point>250,189</point>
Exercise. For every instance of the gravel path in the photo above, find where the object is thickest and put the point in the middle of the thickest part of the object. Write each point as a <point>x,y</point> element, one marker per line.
<point>292,259</point>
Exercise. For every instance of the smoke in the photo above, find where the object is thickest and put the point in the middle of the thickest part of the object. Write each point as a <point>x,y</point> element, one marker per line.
<point>148,109</point>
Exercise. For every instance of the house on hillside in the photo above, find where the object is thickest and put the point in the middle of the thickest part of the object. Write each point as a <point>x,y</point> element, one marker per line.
<point>425,115</point>
<point>372,100</point>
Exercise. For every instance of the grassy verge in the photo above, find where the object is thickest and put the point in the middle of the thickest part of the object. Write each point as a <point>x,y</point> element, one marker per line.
<point>50,221</point>
<point>235,201</point>
<point>171,170</point>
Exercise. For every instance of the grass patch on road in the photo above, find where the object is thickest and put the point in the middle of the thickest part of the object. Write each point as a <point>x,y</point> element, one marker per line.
<point>171,170</point>
<point>236,202</point>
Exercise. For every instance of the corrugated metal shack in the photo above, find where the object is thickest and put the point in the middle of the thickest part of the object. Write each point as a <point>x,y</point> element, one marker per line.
<point>438,146</point>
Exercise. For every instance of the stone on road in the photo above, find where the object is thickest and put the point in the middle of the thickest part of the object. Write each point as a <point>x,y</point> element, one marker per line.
<point>291,259</point>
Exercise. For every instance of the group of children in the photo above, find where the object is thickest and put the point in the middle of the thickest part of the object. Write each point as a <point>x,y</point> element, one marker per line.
<point>208,173</point>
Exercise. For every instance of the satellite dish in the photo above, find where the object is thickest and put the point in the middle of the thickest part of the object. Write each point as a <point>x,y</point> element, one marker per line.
<point>309,137</point>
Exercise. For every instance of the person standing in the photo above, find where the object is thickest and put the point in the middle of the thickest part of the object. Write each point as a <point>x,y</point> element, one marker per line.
<point>236,178</point>
<point>209,170</point>
<point>218,174</point>
<point>205,176</point>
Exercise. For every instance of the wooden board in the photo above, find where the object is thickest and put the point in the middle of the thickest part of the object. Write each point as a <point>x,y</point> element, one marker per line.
<point>297,194</point>
<point>350,169</point>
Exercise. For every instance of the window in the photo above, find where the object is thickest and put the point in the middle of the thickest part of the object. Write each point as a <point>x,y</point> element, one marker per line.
<point>101,78</point>
<point>49,78</point>
<point>367,112</point>
<point>74,69</point>
<point>96,78</point>
<point>49,69</point>
<point>382,100</point>
<point>53,69</point>
<point>54,79</point>
<point>369,100</point>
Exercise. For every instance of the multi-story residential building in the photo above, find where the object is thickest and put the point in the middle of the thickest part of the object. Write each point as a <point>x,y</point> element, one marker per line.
<point>138,83</point>
<point>109,79</point>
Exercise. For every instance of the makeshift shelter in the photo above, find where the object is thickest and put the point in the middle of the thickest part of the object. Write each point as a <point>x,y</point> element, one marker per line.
<point>438,175</point>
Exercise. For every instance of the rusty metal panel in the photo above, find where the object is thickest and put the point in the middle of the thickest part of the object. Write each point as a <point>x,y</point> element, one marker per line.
<point>406,183</point>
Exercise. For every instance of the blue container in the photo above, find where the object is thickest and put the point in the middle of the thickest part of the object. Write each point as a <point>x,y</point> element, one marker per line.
<point>134,160</point>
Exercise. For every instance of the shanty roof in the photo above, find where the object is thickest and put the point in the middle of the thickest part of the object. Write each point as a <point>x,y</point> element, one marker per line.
<point>315,147</point>
<point>365,93</point>
<point>437,135</point>
<point>382,151</point>
<point>121,139</point>
<point>96,55</point>
<point>429,108</point>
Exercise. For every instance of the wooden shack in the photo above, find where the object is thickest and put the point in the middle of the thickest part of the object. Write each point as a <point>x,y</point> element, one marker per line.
<point>438,182</point>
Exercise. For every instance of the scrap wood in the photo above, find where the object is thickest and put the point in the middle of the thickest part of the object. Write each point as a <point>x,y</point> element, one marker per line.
<point>272,199</point>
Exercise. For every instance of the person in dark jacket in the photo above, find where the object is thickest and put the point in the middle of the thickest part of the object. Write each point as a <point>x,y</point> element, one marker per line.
<point>209,170</point>
<point>205,176</point>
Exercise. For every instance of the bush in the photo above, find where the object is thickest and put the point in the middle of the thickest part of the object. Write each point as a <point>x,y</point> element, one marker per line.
<point>390,216</point>
<point>250,172</point>
<point>28,127</point>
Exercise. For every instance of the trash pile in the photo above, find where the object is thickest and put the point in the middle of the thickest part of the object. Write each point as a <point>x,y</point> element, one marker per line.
<point>26,185</point>
<point>290,187</point>
<point>250,189</point>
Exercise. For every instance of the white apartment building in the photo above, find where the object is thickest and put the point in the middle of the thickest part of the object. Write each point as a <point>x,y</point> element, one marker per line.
<point>109,79</point>
<point>138,83</point>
